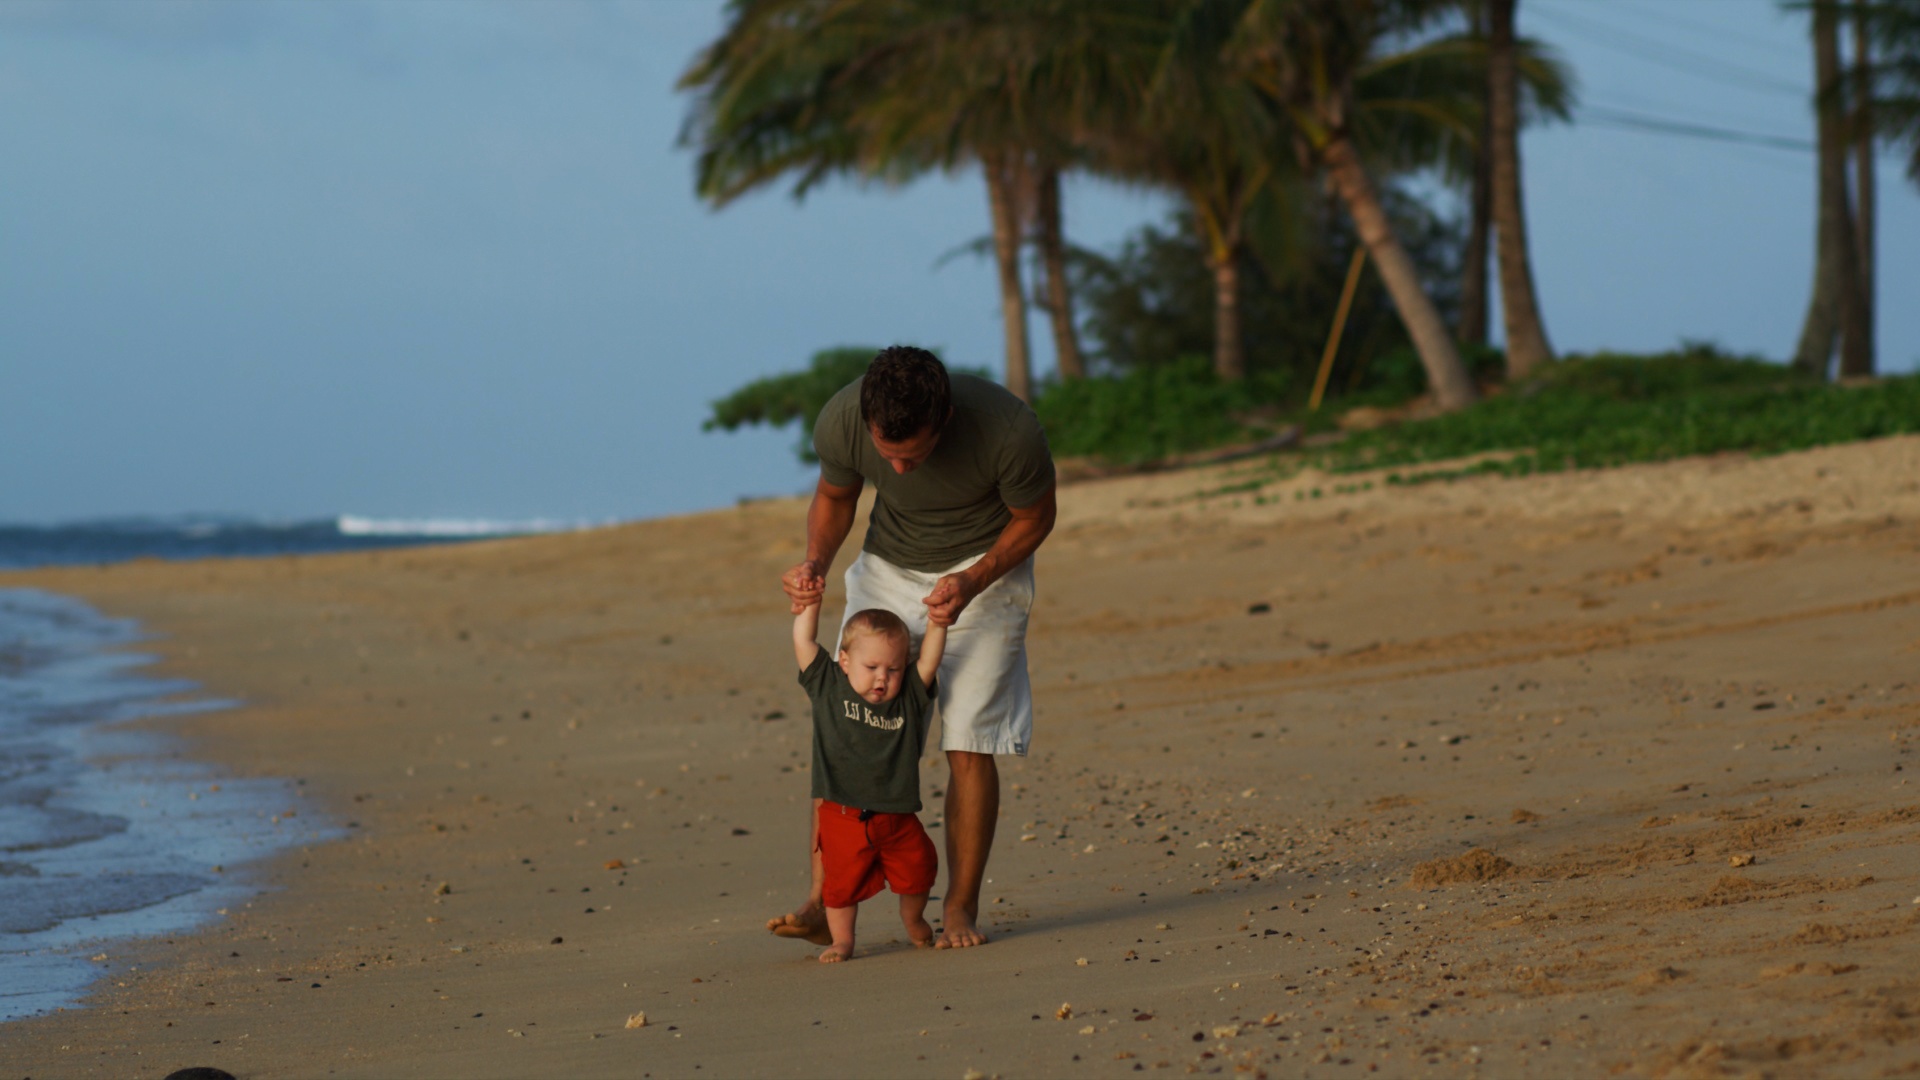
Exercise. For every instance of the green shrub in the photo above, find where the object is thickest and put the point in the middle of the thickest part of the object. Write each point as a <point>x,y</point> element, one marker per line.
<point>1152,411</point>
<point>779,400</point>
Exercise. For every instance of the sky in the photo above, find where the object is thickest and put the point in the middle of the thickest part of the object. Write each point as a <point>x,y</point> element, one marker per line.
<point>412,259</point>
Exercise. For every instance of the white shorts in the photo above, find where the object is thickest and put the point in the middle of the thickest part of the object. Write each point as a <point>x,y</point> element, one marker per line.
<point>986,700</point>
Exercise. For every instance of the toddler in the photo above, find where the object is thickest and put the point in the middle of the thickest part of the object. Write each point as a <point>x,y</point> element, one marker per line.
<point>871,706</point>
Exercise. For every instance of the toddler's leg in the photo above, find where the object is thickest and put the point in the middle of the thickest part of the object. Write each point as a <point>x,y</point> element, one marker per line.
<point>911,913</point>
<point>840,924</point>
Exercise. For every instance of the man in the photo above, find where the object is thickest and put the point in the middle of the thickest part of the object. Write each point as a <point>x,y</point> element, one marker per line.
<point>963,496</point>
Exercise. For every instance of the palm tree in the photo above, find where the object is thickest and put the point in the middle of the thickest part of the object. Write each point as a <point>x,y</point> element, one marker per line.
<point>1862,137</point>
<point>1428,106</point>
<point>1836,310</point>
<point>1306,54</point>
<point>1527,346</point>
<point>1208,134</point>
<point>891,89</point>
<point>1049,237</point>
<point>1472,329</point>
<point>1024,87</point>
<point>1886,106</point>
<point>1894,74</point>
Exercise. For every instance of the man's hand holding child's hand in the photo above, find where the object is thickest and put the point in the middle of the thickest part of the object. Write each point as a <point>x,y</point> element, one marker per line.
<point>805,584</point>
<point>950,596</point>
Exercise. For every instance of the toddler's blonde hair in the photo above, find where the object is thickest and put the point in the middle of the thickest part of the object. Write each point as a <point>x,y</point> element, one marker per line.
<point>876,621</point>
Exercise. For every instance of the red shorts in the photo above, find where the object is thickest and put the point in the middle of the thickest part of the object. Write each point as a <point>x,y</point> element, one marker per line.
<point>858,856</point>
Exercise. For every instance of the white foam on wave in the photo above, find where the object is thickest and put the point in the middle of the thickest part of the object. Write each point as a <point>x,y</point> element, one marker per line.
<point>352,525</point>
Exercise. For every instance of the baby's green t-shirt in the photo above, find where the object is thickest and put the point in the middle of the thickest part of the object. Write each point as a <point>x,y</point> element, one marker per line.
<point>866,755</point>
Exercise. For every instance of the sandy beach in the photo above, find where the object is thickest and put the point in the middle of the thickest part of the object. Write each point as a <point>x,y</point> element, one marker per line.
<point>1608,772</point>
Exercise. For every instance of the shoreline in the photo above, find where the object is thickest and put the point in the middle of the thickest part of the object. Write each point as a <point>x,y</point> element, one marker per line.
<point>108,840</point>
<point>1528,667</point>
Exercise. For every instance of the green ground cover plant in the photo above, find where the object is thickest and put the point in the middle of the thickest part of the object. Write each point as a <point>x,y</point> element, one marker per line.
<point>1613,409</point>
<point>1581,412</point>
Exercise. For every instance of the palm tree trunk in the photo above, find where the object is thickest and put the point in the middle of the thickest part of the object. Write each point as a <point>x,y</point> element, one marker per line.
<point>1003,196</point>
<point>1835,312</point>
<point>1452,388</point>
<point>1856,345</point>
<point>1527,346</point>
<point>1821,327</point>
<point>1053,257</point>
<point>1229,346</point>
<point>1473,274</point>
<point>1863,179</point>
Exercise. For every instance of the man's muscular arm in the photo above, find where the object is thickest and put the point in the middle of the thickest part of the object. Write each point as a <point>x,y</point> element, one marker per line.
<point>829,520</point>
<point>1017,543</point>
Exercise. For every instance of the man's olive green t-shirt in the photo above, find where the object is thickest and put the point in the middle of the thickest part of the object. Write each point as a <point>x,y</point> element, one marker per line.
<point>992,455</point>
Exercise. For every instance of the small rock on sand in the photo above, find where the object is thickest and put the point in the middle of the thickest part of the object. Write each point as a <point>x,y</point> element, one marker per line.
<point>637,1020</point>
<point>1064,1012</point>
<point>1522,816</point>
<point>1739,860</point>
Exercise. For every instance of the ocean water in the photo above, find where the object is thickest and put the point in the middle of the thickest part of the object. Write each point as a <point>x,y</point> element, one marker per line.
<point>202,537</point>
<point>109,834</point>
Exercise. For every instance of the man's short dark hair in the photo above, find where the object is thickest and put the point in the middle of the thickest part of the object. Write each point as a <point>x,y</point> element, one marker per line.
<point>906,391</point>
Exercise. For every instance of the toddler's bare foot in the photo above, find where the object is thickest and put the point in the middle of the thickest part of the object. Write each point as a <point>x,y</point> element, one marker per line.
<point>920,932</point>
<point>958,931</point>
<point>836,953</point>
<point>807,922</point>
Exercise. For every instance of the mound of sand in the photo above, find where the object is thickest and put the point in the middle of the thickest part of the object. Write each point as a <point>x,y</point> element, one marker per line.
<point>1475,866</point>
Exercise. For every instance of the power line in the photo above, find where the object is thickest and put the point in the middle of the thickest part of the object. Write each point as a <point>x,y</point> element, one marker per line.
<point>1604,116</point>
<point>1664,13</point>
<point>1698,64</point>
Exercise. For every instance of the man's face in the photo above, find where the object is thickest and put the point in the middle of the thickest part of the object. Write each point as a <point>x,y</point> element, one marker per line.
<point>876,665</point>
<point>908,454</point>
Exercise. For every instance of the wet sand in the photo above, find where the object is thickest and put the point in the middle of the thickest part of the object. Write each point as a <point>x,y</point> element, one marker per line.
<point>1567,775</point>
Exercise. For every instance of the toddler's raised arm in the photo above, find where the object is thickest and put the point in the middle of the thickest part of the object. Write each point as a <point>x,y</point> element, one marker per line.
<point>806,631</point>
<point>931,647</point>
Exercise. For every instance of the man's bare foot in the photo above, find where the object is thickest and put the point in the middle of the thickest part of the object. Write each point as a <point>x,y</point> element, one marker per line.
<point>808,922</point>
<point>958,932</point>
<point>837,953</point>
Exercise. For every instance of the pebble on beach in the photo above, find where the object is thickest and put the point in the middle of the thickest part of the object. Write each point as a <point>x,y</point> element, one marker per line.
<point>637,1020</point>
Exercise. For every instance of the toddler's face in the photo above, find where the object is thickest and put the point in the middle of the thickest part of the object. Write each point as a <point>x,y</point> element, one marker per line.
<point>876,665</point>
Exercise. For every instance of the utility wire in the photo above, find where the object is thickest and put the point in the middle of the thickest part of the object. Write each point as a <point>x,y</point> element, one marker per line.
<point>1698,64</point>
<point>1607,117</point>
<point>1664,12</point>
